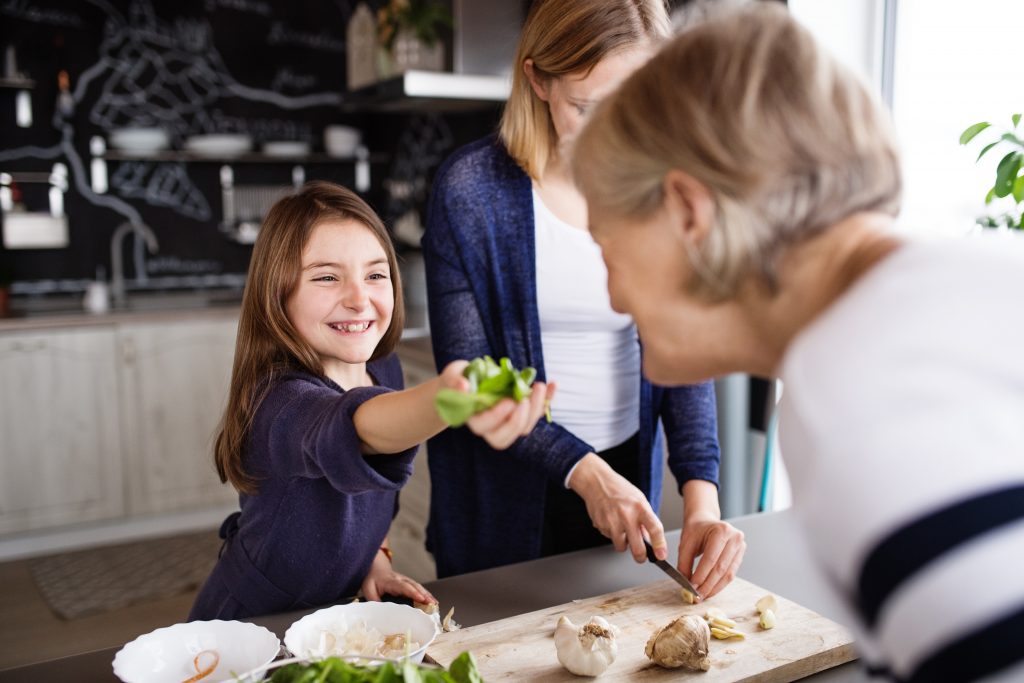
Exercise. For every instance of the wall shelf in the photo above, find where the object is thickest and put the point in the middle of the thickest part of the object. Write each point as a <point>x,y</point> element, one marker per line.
<point>252,158</point>
<point>18,83</point>
<point>430,90</point>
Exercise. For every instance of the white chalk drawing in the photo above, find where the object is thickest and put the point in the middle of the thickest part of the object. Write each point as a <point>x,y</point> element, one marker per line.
<point>281,34</point>
<point>424,143</point>
<point>153,72</point>
<point>29,11</point>
<point>162,185</point>
<point>248,6</point>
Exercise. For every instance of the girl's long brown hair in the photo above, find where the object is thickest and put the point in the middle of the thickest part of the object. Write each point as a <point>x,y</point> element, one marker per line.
<point>267,342</point>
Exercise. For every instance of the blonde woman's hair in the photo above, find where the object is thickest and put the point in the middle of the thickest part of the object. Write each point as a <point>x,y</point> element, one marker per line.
<point>267,343</point>
<point>787,140</point>
<point>568,37</point>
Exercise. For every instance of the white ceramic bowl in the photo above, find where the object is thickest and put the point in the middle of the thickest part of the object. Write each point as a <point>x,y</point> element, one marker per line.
<point>286,148</point>
<point>342,141</point>
<point>167,654</point>
<point>139,140</point>
<point>219,144</point>
<point>303,637</point>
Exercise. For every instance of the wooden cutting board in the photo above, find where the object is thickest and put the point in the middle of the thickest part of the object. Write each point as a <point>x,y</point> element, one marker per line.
<point>522,648</point>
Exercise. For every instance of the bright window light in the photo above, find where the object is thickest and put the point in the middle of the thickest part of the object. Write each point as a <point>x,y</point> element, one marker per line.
<point>956,63</point>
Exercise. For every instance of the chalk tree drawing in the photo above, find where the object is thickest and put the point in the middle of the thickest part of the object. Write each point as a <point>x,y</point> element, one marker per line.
<point>156,73</point>
<point>161,185</point>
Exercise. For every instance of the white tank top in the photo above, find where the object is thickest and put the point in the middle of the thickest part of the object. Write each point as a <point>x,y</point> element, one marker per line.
<point>590,351</point>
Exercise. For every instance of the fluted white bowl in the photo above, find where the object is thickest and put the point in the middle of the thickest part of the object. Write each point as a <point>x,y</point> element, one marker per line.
<point>167,654</point>
<point>302,638</point>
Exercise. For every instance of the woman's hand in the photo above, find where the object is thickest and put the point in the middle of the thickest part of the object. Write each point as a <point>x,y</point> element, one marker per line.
<point>507,420</point>
<point>382,579</point>
<point>721,547</point>
<point>617,508</point>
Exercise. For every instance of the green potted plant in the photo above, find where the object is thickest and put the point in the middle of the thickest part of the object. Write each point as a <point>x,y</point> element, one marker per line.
<point>1009,183</point>
<point>409,35</point>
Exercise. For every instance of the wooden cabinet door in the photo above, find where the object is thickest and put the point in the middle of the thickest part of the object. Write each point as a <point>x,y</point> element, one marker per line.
<point>174,388</point>
<point>60,454</point>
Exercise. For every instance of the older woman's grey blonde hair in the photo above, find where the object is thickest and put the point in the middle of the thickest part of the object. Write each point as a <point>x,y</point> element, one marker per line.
<point>787,140</point>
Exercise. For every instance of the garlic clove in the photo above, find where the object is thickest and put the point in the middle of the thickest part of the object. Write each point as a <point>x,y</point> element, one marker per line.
<point>767,619</point>
<point>767,602</point>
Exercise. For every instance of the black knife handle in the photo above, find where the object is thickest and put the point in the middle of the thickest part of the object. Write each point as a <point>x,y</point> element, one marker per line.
<point>650,552</point>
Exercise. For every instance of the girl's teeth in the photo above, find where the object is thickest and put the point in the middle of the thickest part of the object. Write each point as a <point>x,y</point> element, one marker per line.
<point>356,327</point>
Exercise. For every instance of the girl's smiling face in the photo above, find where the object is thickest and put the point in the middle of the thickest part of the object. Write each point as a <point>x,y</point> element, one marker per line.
<point>344,299</point>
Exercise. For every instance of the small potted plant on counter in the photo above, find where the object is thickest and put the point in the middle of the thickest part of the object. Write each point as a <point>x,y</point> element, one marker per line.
<point>1009,183</point>
<point>409,35</point>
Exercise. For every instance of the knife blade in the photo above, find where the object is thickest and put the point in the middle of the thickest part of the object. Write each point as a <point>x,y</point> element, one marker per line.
<point>673,573</point>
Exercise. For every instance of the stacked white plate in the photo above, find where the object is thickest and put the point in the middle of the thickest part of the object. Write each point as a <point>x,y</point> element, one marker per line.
<point>139,141</point>
<point>219,144</point>
<point>286,148</point>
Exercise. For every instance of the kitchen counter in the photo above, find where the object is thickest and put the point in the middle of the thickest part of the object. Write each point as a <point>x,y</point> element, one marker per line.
<point>776,559</point>
<point>67,312</point>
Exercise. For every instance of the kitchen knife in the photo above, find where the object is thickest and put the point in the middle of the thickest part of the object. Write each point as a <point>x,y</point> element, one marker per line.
<point>671,571</point>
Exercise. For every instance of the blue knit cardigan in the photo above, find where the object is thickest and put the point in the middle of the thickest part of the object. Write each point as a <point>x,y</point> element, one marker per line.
<point>487,507</point>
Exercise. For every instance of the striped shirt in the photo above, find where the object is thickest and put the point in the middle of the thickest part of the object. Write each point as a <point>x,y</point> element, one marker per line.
<point>903,428</point>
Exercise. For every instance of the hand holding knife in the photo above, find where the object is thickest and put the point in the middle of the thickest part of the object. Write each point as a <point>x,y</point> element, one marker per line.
<point>673,573</point>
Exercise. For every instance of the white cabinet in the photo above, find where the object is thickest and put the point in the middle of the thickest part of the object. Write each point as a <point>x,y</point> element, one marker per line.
<point>174,386</point>
<point>60,455</point>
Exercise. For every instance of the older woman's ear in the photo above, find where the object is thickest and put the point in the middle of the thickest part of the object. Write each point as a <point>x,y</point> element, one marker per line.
<point>690,206</point>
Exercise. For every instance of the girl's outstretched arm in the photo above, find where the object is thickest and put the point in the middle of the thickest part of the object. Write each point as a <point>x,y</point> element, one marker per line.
<point>397,421</point>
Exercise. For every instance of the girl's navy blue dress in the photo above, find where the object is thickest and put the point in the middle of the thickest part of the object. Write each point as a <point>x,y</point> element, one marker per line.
<point>309,535</point>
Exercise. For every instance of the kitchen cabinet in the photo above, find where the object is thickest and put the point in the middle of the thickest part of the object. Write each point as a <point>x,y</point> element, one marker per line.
<point>60,455</point>
<point>174,385</point>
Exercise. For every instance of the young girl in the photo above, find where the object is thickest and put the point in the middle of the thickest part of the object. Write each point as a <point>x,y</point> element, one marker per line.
<point>315,437</point>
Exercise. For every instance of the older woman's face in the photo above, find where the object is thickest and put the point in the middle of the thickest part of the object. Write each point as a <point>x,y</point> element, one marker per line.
<point>648,273</point>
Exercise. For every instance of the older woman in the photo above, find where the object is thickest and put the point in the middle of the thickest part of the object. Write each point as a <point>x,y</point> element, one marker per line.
<point>743,187</point>
<point>511,271</point>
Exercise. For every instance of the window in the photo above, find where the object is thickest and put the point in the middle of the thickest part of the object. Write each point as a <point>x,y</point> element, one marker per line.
<point>951,64</point>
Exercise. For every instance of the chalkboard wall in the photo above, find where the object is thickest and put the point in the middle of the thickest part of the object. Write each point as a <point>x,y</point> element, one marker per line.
<point>274,69</point>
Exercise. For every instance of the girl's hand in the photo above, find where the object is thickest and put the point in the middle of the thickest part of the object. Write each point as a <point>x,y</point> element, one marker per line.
<point>617,508</point>
<point>508,420</point>
<point>384,580</point>
<point>721,547</point>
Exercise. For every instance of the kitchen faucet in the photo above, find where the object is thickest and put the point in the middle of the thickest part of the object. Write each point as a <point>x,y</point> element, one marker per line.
<point>116,260</point>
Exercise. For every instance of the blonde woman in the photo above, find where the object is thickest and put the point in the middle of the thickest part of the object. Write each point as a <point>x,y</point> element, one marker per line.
<point>743,188</point>
<point>511,271</point>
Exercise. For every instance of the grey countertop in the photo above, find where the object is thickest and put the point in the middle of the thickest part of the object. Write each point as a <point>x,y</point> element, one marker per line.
<point>66,311</point>
<point>776,559</point>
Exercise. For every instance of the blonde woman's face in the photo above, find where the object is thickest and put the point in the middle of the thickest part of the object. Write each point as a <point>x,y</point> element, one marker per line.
<point>570,98</point>
<point>343,303</point>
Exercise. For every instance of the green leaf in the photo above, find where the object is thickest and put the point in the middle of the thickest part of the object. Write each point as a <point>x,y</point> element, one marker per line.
<point>1016,119</point>
<point>463,669</point>
<point>985,149</point>
<point>1010,137</point>
<point>455,407</point>
<point>1018,189</point>
<point>971,131</point>
<point>1006,173</point>
<point>990,196</point>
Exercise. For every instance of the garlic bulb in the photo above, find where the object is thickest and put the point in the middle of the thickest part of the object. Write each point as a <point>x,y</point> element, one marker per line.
<point>586,650</point>
<point>684,642</point>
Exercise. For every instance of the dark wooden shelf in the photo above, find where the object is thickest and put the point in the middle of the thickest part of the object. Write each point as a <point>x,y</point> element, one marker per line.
<point>249,158</point>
